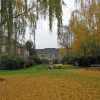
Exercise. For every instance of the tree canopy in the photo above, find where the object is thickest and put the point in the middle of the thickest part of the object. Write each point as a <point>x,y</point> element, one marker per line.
<point>85,23</point>
<point>17,14</point>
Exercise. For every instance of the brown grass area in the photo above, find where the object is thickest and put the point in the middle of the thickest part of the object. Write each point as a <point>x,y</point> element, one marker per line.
<point>89,72</point>
<point>47,88</point>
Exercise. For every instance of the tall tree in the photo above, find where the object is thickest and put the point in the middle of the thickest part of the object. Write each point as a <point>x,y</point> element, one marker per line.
<point>17,14</point>
<point>85,24</point>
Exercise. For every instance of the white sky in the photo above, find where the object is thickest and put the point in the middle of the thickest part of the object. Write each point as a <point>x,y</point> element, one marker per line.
<point>46,39</point>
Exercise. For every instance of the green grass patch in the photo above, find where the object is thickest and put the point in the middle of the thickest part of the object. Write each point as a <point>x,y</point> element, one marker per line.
<point>39,70</point>
<point>36,69</point>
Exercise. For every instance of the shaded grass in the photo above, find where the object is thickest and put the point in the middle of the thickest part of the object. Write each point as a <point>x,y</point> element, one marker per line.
<point>36,69</point>
<point>69,71</point>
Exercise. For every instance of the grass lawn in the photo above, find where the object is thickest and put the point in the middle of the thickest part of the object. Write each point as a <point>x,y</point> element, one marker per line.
<point>39,83</point>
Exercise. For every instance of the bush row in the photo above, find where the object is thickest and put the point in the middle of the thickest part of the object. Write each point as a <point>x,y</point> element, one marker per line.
<point>15,62</point>
<point>11,63</point>
<point>84,61</point>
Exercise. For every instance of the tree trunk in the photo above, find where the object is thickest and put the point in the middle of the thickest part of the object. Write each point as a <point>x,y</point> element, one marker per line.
<point>10,28</point>
<point>3,12</point>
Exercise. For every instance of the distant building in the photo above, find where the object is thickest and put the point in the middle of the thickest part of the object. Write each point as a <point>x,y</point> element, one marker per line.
<point>48,53</point>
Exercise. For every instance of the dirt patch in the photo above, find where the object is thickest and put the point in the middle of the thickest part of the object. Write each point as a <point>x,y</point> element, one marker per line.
<point>89,72</point>
<point>93,68</point>
<point>46,88</point>
<point>2,79</point>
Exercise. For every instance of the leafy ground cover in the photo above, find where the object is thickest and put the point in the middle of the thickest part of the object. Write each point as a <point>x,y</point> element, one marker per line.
<point>39,83</point>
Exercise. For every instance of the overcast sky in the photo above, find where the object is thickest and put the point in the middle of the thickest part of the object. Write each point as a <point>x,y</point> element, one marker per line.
<point>46,39</point>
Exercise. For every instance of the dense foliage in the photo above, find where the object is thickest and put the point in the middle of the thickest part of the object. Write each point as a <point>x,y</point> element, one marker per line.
<point>85,25</point>
<point>13,62</point>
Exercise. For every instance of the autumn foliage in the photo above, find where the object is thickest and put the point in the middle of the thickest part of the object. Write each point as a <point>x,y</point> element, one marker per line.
<point>85,23</point>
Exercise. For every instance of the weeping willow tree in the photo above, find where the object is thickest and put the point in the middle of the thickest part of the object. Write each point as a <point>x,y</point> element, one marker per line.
<point>85,24</point>
<point>17,14</point>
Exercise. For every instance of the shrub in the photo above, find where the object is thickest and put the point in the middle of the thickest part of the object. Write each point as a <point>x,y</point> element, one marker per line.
<point>35,59</point>
<point>13,62</point>
<point>58,66</point>
<point>84,61</point>
<point>45,61</point>
<point>29,62</point>
<point>10,63</point>
<point>69,59</point>
<point>56,61</point>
